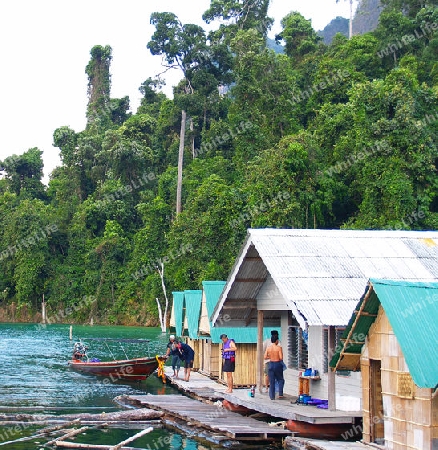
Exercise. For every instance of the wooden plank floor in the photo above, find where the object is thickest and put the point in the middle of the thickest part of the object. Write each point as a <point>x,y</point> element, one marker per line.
<point>211,417</point>
<point>203,387</point>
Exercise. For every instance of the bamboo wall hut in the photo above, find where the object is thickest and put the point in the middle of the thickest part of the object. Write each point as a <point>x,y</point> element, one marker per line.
<point>392,339</point>
<point>210,353</point>
<point>307,283</point>
<point>192,299</point>
<point>211,344</point>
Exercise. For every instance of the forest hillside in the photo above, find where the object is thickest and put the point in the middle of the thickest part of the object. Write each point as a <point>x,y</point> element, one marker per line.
<point>339,136</point>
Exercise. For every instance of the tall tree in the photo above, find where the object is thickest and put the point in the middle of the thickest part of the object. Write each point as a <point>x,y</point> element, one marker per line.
<point>183,47</point>
<point>240,15</point>
<point>24,173</point>
<point>99,85</point>
<point>299,36</point>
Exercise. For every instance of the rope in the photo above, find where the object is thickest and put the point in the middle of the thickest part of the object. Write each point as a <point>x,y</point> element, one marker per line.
<point>161,363</point>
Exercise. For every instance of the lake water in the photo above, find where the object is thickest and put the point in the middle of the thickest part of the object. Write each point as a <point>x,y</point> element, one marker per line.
<point>35,379</point>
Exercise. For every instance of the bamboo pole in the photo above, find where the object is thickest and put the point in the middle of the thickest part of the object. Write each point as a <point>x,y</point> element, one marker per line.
<point>91,446</point>
<point>132,438</point>
<point>67,435</point>
<point>259,358</point>
<point>67,444</point>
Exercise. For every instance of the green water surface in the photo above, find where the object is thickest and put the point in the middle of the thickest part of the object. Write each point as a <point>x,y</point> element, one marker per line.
<point>35,379</point>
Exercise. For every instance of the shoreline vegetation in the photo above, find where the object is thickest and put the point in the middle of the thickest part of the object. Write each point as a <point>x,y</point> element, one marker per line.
<point>13,313</point>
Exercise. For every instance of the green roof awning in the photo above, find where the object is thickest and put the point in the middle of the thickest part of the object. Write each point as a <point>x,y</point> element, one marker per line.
<point>247,335</point>
<point>178,307</point>
<point>412,311</point>
<point>347,355</point>
<point>193,299</point>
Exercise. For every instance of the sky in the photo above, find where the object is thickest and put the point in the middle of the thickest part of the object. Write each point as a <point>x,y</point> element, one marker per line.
<point>45,46</point>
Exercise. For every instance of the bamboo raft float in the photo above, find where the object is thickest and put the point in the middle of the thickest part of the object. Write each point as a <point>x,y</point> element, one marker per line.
<point>211,417</point>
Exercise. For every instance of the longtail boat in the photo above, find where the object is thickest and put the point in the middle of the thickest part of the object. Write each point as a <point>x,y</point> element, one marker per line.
<point>127,369</point>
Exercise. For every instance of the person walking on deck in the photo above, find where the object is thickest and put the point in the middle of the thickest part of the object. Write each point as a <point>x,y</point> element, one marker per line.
<point>172,350</point>
<point>229,360</point>
<point>187,354</point>
<point>274,353</point>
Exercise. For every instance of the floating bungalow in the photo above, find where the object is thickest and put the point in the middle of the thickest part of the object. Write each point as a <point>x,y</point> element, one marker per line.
<point>392,339</point>
<point>192,300</point>
<point>211,344</point>
<point>191,310</point>
<point>307,284</point>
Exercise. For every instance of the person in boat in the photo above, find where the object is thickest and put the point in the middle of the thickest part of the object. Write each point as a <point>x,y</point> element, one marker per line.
<point>274,353</point>
<point>79,351</point>
<point>229,363</point>
<point>173,351</point>
<point>187,354</point>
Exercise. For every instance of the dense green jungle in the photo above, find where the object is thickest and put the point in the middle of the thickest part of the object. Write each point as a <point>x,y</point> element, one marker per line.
<point>316,136</point>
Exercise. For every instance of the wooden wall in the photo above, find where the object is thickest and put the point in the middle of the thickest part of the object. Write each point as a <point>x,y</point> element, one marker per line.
<point>245,374</point>
<point>209,358</point>
<point>409,415</point>
<point>195,344</point>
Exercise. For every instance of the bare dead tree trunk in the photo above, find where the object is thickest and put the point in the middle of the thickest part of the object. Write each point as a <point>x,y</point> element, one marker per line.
<point>192,138</point>
<point>162,317</point>
<point>182,136</point>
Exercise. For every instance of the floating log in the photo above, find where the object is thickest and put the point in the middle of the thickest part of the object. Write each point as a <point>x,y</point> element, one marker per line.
<point>41,433</point>
<point>120,446</point>
<point>115,416</point>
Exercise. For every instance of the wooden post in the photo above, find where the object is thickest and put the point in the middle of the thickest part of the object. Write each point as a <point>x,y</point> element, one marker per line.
<point>260,355</point>
<point>331,373</point>
<point>71,332</point>
<point>43,310</point>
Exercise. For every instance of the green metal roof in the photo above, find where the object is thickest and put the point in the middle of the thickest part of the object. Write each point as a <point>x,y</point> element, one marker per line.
<point>193,301</point>
<point>347,354</point>
<point>213,291</point>
<point>412,311</point>
<point>178,306</point>
<point>248,335</point>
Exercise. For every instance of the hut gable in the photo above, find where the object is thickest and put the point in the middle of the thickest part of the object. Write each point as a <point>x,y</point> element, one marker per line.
<point>320,274</point>
<point>193,300</point>
<point>396,321</point>
<point>409,325</point>
<point>242,335</point>
<point>178,311</point>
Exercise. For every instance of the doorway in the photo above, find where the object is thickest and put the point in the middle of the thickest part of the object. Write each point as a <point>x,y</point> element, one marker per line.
<point>377,427</point>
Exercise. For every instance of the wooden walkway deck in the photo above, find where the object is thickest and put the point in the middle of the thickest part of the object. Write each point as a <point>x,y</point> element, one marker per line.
<point>201,386</point>
<point>294,443</point>
<point>211,417</point>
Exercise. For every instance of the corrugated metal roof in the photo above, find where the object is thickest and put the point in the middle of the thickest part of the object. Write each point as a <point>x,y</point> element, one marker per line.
<point>412,311</point>
<point>178,306</point>
<point>193,300</point>
<point>321,273</point>
<point>247,335</point>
